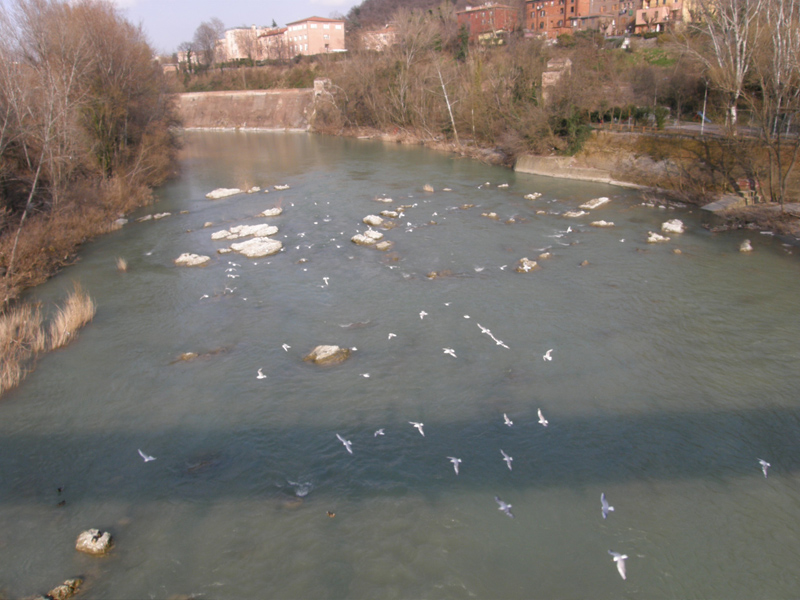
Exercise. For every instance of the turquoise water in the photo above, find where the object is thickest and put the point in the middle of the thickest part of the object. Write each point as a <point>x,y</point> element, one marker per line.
<point>671,375</point>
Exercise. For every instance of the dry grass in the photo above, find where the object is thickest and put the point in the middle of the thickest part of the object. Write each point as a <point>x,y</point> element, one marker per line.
<point>78,310</point>
<point>122,265</point>
<point>21,338</point>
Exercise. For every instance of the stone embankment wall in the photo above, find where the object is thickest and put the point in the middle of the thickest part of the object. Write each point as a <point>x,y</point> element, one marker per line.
<point>261,109</point>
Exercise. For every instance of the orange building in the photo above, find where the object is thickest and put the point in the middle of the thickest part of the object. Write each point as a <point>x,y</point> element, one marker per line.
<point>551,18</point>
<point>487,21</point>
<point>315,35</point>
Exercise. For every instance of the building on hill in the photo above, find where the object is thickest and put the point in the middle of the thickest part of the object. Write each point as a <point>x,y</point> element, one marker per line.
<point>660,15</point>
<point>315,35</point>
<point>379,39</point>
<point>551,18</point>
<point>489,23</point>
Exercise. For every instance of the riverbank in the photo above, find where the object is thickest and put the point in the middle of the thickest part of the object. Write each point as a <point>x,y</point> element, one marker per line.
<point>615,159</point>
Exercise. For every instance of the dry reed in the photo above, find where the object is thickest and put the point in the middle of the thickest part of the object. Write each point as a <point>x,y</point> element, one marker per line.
<point>78,310</point>
<point>21,338</point>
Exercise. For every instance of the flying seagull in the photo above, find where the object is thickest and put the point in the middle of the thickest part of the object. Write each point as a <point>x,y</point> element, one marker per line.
<point>422,314</point>
<point>620,560</point>
<point>506,458</point>
<point>507,421</point>
<point>506,508</point>
<point>347,443</point>
<point>260,375</point>
<point>455,462</point>
<point>450,351</point>
<point>605,507</point>
<point>547,355</point>
<point>542,420</point>
<point>391,335</point>
<point>286,347</point>
<point>764,466</point>
<point>378,432</point>
<point>418,426</point>
<point>146,457</point>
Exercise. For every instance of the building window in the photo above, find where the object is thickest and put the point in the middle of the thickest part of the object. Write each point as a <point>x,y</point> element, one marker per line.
<point>560,23</point>
<point>313,26</point>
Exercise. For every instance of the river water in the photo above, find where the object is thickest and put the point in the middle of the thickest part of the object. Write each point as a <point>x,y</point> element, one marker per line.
<point>671,375</point>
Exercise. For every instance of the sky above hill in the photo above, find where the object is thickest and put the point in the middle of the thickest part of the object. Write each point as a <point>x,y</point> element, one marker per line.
<point>167,23</point>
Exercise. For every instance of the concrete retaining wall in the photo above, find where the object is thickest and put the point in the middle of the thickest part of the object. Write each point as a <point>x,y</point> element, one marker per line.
<point>560,166</point>
<point>262,109</point>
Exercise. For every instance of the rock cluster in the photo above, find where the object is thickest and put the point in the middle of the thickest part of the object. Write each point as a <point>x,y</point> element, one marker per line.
<point>240,231</point>
<point>656,238</point>
<point>533,196</point>
<point>61,592</point>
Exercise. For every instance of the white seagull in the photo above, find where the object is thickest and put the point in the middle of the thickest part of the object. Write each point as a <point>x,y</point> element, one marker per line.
<point>378,432</point>
<point>450,351</point>
<point>455,462</point>
<point>506,458</point>
<point>548,355</point>
<point>325,279</point>
<point>347,443</point>
<point>391,335</point>
<point>605,507</point>
<point>286,347</point>
<point>146,457</point>
<point>260,375</point>
<point>506,508</point>
<point>485,330</point>
<point>620,560</point>
<point>764,466</point>
<point>542,420</point>
<point>418,426</point>
<point>507,421</point>
<point>422,314</point>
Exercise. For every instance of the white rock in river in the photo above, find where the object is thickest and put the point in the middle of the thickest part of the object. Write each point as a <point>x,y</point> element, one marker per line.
<point>673,226</point>
<point>191,260</point>
<point>375,235</point>
<point>596,202</point>
<point>373,220</point>
<point>240,231</point>
<point>533,196</point>
<point>254,189</point>
<point>575,213</point>
<point>272,212</point>
<point>602,223</point>
<point>223,193</point>
<point>655,238</point>
<point>389,214</point>
<point>746,246</point>
<point>257,247</point>
<point>327,355</point>
<point>94,542</point>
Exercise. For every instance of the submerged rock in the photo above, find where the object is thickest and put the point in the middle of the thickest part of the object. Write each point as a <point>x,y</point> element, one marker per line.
<point>94,541</point>
<point>427,188</point>
<point>574,213</point>
<point>257,247</point>
<point>191,260</point>
<point>384,245</point>
<point>673,226</point>
<point>223,193</point>
<point>533,196</point>
<point>61,592</point>
<point>526,265</point>
<point>327,355</point>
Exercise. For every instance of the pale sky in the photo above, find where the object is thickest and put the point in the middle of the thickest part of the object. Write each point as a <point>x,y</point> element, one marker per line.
<point>167,23</point>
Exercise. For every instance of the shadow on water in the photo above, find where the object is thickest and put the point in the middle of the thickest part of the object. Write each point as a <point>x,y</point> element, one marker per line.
<point>247,462</point>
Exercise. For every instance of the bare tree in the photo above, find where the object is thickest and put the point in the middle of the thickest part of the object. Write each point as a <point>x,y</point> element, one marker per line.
<point>728,31</point>
<point>776,101</point>
<point>205,39</point>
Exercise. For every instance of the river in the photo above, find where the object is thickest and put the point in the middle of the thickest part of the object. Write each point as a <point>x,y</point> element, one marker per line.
<point>671,375</point>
